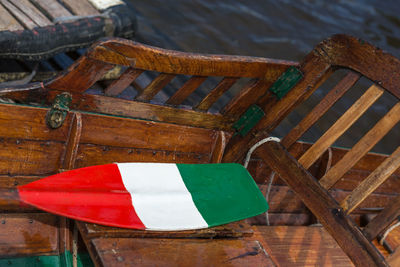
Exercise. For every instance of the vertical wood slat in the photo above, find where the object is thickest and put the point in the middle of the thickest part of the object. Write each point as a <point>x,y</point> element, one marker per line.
<point>81,8</point>
<point>373,181</point>
<point>155,86</point>
<point>23,19</point>
<point>32,12</point>
<point>53,8</point>
<point>219,148</point>
<point>362,147</point>
<point>218,91</point>
<point>341,125</point>
<point>322,205</point>
<point>253,90</point>
<point>382,220</point>
<point>118,86</point>
<point>8,22</point>
<point>72,144</point>
<point>319,110</point>
<point>182,93</point>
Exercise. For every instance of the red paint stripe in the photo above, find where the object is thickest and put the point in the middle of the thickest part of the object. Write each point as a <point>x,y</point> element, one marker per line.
<point>94,194</point>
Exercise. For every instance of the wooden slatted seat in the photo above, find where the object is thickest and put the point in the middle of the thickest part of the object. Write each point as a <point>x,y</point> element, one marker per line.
<point>362,60</point>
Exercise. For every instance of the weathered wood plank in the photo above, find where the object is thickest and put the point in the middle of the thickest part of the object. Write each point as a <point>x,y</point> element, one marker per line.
<point>72,142</point>
<point>383,219</point>
<point>362,147</point>
<point>301,246</point>
<point>315,71</point>
<point>324,207</point>
<point>323,106</point>
<point>168,252</point>
<point>89,155</point>
<point>232,230</point>
<point>122,132</point>
<point>19,15</point>
<point>32,12</point>
<point>24,157</point>
<point>155,86</point>
<point>247,96</point>
<point>341,125</point>
<point>219,147</point>
<point>133,109</point>
<point>215,93</point>
<point>80,8</point>
<point>118,86</point>
<point>192,84</point>
<point>80,76</point>
<point>375,179</point>
<point>8,22</point>
<point>168,61</point>
<point>28,234</point>
<point>52,8</point>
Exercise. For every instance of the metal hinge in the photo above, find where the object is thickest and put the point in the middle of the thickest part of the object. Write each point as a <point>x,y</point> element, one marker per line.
<point>248,120</point>
<point>286,82</point>
<point>56,115</point>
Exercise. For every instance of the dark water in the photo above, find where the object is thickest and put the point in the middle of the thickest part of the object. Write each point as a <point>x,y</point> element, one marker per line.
<point>286,29</point>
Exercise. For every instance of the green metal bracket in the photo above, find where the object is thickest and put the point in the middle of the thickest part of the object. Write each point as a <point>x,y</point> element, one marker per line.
<point>248,120</point>
<point>286,82</point>
<point>58,112</point>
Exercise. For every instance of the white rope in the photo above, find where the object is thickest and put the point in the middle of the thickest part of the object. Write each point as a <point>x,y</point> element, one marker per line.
<point>388,231</point>
<point>271,177</point>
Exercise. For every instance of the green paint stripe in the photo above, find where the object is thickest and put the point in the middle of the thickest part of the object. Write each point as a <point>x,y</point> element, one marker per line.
<point>223,193</point>
<point>62,260</point>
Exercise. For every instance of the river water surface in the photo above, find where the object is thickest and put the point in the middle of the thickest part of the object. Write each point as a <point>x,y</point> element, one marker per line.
<point>286,29</point>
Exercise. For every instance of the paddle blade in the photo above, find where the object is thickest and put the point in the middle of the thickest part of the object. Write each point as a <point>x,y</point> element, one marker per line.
<point>151,196</point>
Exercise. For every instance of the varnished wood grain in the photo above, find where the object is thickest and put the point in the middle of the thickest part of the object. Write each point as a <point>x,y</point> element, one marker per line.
<point>375,179</point>
<point>301,246</point>
<point>28,234</point>
<point>168,61</point>
<point>326,103</point>
<point>118,86</point>
<point>362,147</point>
<point>341,125</point>
<point>383,220</point>
<point>182,93</point>
<point>72,142</point>
<point>224,85</point>
<point>322,205</point>
<point>155,86</point>
<point>219,147</point>
<point>170,252</point>
<point>232,230</point>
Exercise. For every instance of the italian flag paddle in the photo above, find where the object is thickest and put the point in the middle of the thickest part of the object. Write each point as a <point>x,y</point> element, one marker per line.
<point>151,196</point>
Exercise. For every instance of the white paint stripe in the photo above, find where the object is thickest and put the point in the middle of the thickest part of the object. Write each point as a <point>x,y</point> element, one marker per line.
<point>104,4</point>
<point>160,197</point>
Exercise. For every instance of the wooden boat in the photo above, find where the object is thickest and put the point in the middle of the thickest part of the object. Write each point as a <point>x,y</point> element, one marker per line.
<point>71,121</point>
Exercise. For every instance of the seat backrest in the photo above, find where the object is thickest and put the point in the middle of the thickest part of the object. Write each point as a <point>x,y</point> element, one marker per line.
<point>360,59</point>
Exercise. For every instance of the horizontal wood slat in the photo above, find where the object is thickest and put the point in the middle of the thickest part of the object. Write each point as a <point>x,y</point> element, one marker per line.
<point>118,86</point>
<point>362,147</point>
<point>341,125</point>
<point>155,86</point>
<point>218,91</point>
<point>375,179</point>
<point>319,110</point>
<point>81,8</point>
<point>189,87</point>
